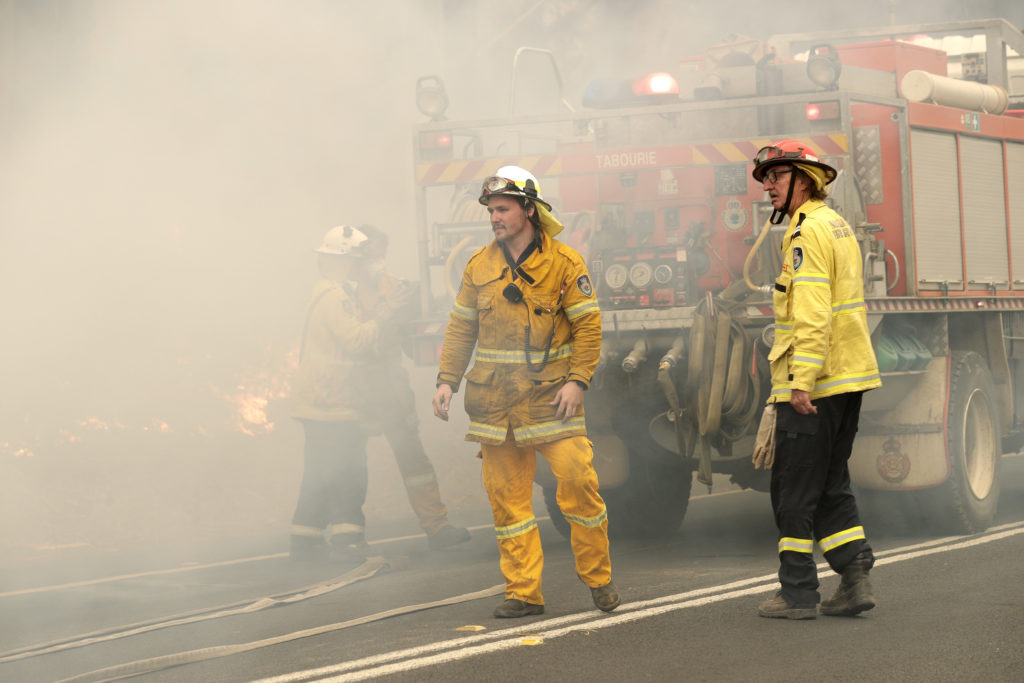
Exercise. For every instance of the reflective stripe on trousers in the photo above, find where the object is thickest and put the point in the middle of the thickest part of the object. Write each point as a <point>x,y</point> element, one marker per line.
<point>508,478</point>
<point>811,494</point>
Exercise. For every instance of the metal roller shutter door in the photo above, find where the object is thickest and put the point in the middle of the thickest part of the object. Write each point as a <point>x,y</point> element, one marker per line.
<point>936,195</point>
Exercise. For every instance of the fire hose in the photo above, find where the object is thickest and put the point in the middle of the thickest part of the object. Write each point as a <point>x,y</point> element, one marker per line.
<point>764,289</point>
<point>371,567</point>
<point>449,265</point>
<point>726,394</point>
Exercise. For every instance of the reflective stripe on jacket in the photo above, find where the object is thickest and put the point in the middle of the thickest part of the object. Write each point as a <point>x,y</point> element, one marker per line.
<point>822,344</point>
<point>502,390</point>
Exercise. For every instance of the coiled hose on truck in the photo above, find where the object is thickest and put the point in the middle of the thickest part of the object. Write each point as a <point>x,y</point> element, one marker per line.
<point>723,391</point>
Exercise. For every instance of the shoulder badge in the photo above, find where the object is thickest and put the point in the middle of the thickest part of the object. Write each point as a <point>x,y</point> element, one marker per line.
<point>798,257</point>
<point>583,284</point>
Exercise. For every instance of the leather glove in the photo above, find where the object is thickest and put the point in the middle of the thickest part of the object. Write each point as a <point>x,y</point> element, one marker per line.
<point>764,445</point>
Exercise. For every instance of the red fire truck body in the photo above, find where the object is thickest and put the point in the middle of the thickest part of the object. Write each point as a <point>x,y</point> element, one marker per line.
<point>654,187</point>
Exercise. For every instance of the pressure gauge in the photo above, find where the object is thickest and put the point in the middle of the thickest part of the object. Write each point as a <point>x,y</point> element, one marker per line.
<point>615,276</point>
<point>640,274</point>
<point>663,274</point>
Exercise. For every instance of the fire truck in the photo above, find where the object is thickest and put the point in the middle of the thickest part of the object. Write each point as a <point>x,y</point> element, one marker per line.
<point>651,177</point>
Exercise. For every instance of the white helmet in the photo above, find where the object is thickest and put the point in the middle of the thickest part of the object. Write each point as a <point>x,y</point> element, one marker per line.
<point>341,240</point>
<point>514,181</point>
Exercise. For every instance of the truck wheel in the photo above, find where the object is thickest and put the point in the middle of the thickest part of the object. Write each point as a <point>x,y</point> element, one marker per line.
<point>652,503</point>
<point>966,503</point>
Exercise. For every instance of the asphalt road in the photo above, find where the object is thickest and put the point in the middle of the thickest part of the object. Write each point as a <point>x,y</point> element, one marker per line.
<point>950,609</point>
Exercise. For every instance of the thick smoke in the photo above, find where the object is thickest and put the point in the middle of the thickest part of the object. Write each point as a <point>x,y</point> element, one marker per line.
<point>165,171</point>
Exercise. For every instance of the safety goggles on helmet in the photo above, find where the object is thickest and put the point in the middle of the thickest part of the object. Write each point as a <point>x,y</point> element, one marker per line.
<point>499,185</point>
<point>771,152</point>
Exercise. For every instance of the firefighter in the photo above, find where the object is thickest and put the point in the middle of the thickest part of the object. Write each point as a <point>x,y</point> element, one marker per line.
<point>390,400</point>
<point>821,363</point>
<point>336,341</point>
<point>528,305</point>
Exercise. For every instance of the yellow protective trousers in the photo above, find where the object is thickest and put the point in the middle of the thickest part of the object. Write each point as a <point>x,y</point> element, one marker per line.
<point>508,478</point>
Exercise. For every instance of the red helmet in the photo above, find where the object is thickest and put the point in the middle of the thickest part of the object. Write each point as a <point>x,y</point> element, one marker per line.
<point>789,152</point>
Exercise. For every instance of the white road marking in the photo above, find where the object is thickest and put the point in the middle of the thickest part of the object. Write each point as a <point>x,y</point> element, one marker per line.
<point>462,648</point>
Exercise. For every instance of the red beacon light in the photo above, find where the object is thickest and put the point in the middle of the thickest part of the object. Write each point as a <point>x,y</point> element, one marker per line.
<point>822,111</point>
<point>436,145</point>
<point>658,83</point>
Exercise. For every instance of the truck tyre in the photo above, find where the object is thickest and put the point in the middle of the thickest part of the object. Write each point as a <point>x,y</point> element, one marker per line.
<point>652,503</point>
<point>966,503</point>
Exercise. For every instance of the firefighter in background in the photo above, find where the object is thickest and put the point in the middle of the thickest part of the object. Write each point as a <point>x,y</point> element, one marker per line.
<point>821,363</point>
<point>390,401</point>
<point>528,304</point>
<point>337,340</point>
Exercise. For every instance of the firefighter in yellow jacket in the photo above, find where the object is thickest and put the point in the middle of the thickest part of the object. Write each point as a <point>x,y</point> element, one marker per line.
<point>821,363</point>
<point>528,306</point>
<point>388,401</point>
<point>338,342</point>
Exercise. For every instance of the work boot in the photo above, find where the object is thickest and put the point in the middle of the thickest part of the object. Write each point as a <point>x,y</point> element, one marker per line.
<point>349,548</point>
<point>606,597</point>
<point>855,594</point>
<point>446,537</point>
<point>308,550</point>
<point>513,608</point>
<point>778,608</point>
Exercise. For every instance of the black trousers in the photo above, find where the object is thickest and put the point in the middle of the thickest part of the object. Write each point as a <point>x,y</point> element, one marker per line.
<point>811,495</point>
<point>334,479</point>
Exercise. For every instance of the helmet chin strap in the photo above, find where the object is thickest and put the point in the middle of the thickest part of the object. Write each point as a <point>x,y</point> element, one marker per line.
<point>779,214</point>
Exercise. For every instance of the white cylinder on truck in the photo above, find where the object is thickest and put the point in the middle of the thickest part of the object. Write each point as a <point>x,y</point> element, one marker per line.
<point>921,86</point>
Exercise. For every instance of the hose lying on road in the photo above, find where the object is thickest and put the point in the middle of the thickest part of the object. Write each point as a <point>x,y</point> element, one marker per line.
<point>372,566</point>
<point>144,666</point>
<point>369,568</point>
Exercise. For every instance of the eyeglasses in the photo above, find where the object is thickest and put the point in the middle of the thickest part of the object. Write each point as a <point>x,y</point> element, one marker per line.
<point>772,176</point>
<point>499,185</point>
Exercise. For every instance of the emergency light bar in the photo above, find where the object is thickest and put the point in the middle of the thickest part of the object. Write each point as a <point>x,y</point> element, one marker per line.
<point>659,83</point>
<point>654,88</point>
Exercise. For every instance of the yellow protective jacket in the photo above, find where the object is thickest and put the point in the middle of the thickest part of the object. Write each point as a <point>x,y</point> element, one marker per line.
<point>822,344</point>
<point>337,343</point>
<point>502,389</point>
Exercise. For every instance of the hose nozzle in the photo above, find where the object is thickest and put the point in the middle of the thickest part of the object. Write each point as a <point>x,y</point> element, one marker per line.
<point>636,357</point>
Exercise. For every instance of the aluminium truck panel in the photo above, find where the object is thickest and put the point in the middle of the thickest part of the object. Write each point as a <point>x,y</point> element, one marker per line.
<point>936,192</point>
<point>984,211</point>
<point>1015,184</point>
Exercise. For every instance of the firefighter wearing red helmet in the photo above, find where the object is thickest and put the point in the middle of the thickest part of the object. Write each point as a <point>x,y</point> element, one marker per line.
<point>822,362</point>
<point>528,307</point>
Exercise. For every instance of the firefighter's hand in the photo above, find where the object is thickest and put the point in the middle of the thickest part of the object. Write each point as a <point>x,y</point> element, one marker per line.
<point>404,297</point>
<point>801,402</point>
<point>442,401</point>
<point>568,399</point>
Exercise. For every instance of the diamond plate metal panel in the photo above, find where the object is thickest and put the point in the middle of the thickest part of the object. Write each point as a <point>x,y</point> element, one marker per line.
<point>867,155</point>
